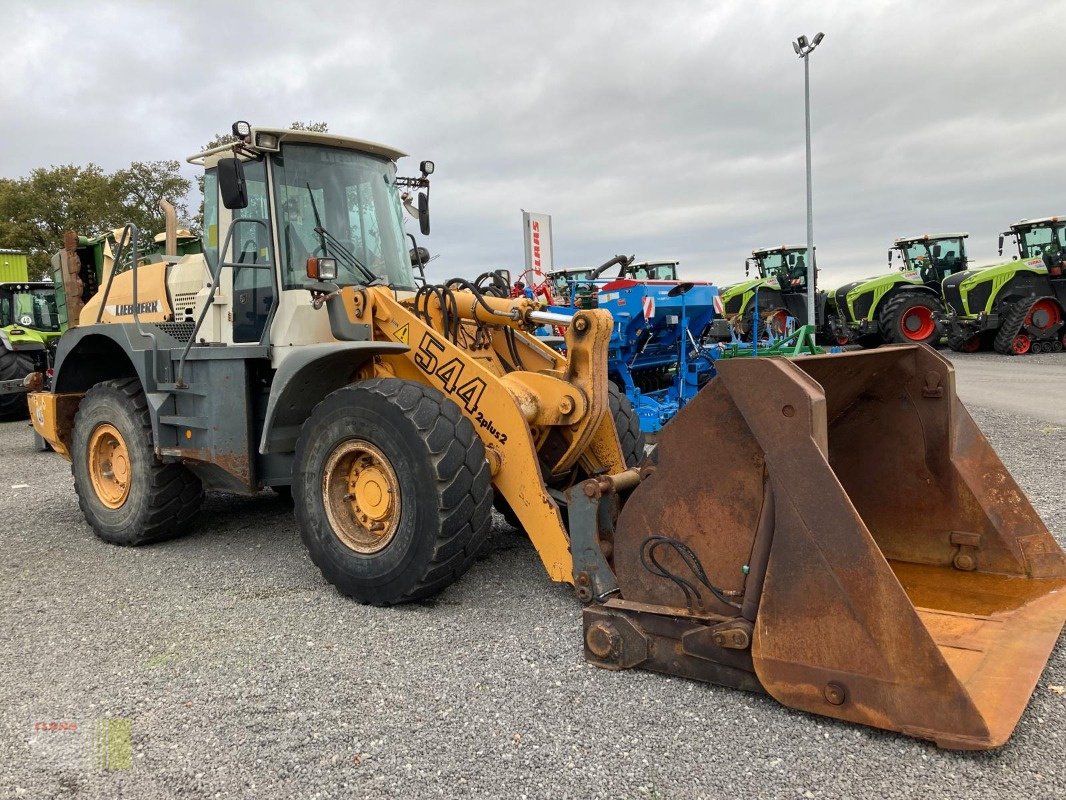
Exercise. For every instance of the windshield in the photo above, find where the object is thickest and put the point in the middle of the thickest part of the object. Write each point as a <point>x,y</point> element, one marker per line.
<point>788,266</point>
<point>1035,242</point>
<point>941,255</point>
<point>29,308</point>
<point>356,199</point>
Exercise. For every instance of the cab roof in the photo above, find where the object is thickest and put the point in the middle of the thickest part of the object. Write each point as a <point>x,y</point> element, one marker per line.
<point>931,236</point>
<point>767,250</point>
<point>1028,223</point>
<point>310,137</point>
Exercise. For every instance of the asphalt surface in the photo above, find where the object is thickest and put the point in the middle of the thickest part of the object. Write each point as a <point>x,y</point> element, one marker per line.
<point>243,674</point>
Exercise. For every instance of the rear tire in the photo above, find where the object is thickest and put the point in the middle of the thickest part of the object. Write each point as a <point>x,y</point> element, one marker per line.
<point>14,366</point>
<point>134,498</point>
<point>907,318</point>
<point>418,521</point>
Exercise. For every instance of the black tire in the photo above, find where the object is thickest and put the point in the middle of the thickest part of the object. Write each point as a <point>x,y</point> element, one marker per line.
<point>14,366</point>
<point>627,424</point>
<point>442,477</point>
<point>630,436</point>
<point>890,317</point>
<point>163,499</point>
<point>964,343</point>
<point>1013,320</point>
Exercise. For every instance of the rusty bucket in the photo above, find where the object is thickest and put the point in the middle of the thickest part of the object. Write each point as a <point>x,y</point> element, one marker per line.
<point>836,531</point>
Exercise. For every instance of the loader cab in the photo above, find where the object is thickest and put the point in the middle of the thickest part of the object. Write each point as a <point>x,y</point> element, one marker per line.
<point>277,198</point>
<point>1037,238</point>
<point>932,257</point>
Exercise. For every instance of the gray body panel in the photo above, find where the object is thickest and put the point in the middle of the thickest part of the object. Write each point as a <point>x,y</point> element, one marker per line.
<point>235,420</point>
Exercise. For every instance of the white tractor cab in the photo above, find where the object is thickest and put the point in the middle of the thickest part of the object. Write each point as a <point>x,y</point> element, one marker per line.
<point>295,195</point>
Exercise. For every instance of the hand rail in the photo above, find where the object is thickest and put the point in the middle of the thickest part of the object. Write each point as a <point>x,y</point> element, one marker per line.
<point>216,273</point>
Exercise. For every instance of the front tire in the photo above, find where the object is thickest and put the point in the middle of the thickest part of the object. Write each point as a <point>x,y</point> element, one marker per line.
<point>126,493</point>
<point>14,366</point>
<point>909,318</point>
<point>392,491</point>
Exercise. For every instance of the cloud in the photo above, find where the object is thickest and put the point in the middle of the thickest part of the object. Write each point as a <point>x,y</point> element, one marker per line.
<point>665,130</point>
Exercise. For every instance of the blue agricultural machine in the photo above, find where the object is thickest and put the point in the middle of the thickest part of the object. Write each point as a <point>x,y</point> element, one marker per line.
<point>656,354</point>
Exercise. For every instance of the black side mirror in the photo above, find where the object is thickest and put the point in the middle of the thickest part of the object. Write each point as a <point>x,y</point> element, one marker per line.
<point>936,251</point>
<point>1001,244</point>
<point>889,258</point>
<point>423,213</point>
<point>747,268</point>
<point>231,183</point>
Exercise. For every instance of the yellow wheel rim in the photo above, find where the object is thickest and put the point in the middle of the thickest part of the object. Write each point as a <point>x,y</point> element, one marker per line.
<point>109,465</point>
<point>361,495</point>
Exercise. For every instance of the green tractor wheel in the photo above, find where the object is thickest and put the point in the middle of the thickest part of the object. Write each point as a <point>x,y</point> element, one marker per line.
<point>908,318</point>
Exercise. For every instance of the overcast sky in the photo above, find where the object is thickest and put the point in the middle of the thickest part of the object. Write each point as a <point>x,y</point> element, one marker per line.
<point>661,129</point>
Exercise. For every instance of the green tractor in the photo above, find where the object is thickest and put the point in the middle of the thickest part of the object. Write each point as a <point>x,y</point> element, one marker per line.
<point>901,307</point>
<point>782,289</point>
<point>29,326</point>
<point>1017,306</point>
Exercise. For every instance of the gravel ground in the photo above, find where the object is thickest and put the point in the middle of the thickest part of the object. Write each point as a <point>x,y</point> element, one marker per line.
<point>243,674</point>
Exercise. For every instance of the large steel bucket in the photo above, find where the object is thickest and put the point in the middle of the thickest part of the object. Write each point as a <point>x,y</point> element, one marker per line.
<point>901,578</point>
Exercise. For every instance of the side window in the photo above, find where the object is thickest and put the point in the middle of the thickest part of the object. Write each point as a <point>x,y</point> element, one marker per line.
<point>253,273</point>
<point>210,237</point>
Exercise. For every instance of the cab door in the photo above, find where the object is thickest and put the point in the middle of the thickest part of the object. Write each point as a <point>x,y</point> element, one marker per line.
<point>251,258</point>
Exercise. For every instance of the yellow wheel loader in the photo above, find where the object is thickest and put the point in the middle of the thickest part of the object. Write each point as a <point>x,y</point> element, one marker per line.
<point>834,531</point>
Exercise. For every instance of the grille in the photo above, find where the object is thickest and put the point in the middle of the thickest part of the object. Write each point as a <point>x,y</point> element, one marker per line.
<point>842,302</point>
<point>952,293</point>
<point>978,297</point>
<point>182,331</point>
<point>184,304</point>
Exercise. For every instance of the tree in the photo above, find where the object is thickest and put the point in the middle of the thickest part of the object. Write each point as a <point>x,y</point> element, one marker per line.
<point>142,185</point>
<point>37,210</point>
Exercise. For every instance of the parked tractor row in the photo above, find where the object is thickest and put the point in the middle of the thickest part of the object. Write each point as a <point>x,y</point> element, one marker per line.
<point>1015,307</point>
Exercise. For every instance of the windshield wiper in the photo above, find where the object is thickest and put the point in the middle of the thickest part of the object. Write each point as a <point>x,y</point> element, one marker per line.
<point>338,247</point>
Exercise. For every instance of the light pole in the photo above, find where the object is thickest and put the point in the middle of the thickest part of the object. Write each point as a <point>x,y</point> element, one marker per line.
<point>803,49</point>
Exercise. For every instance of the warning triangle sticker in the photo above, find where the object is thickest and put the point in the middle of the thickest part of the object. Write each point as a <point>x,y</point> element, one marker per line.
<point>404,333</point>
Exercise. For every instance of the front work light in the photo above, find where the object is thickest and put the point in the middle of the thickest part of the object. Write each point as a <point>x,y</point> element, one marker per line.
<point>322,269</point>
